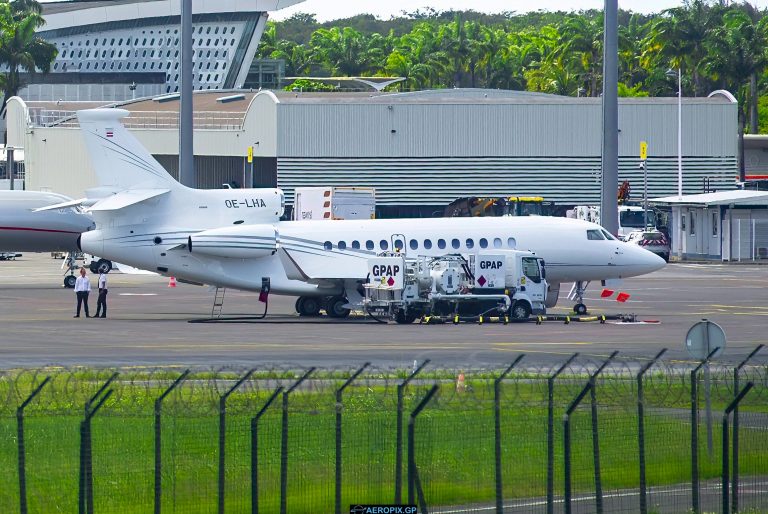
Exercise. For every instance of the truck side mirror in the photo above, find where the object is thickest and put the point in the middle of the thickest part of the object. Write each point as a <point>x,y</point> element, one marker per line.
<point>543,269</point>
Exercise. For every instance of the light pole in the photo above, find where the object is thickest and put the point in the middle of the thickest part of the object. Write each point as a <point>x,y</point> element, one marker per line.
<point>679,74</point>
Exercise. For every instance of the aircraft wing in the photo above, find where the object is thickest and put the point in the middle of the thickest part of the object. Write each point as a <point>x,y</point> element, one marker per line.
<point>63,205</point>
<point>321,270</point>
<point>126,198</point>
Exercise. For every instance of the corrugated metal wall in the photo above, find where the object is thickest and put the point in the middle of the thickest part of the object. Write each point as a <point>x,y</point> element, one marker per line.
<point>482,130</point>
<point>437,181</point>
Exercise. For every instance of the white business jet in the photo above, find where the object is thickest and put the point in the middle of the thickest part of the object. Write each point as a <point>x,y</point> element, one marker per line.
<point>233,238</point>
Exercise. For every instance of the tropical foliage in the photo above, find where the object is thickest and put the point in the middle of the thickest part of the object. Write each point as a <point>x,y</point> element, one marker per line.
<point>713,45</point>
<point>21,51</point>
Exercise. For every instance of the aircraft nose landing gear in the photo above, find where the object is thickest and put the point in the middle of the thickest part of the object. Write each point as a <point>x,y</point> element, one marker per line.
<point>577,294</point>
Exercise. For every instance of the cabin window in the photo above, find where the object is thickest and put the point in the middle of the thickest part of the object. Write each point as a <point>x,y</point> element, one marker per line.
<point>496,242</point>
<point>455,243</point>
<point>470,243</point>
<point>427,244</point>
<point>342,245</point>
<point>383,244</point>
<point>328,245</point>
<point>399,245</point>
<point>356,245</point>
<point>369,245</point>
<point>414,244</point>
<point>483,242</point>
<point>441,244</point>
<point>511,243</point>
<point>531,269</point>
<point>595,235</point>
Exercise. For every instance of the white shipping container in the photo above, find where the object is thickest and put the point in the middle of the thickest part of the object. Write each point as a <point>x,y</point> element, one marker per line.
<point>334,203</point>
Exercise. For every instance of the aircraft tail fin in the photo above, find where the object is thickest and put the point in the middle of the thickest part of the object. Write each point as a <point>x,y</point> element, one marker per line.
<point>120,161</point>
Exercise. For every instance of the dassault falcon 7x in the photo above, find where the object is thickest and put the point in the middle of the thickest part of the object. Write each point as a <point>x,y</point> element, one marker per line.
<point>234,238</point>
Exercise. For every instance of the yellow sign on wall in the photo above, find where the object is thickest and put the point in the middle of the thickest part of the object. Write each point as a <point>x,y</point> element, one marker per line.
<point>643,150</point>
<point>250,154</point>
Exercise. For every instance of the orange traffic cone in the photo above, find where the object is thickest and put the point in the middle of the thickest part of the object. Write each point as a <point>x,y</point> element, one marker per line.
<point>461,385</point>
<point>172,282</point>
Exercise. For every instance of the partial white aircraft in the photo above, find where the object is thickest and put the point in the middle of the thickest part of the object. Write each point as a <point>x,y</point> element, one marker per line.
<point>24,229</point>
<point>233,238</point>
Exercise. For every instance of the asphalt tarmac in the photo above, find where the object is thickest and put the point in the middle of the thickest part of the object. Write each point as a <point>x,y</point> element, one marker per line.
<point>148,324</point>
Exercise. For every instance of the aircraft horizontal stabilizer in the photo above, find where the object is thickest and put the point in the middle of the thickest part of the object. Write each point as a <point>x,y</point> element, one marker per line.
<point>62,205</point>
<point>127,198</point>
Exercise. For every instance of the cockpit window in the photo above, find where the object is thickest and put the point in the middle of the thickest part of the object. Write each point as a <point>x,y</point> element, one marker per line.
<point>608,235</point>
<point>595,235</point>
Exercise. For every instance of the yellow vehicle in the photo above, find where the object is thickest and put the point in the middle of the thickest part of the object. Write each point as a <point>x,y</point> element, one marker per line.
<point>471,206</point>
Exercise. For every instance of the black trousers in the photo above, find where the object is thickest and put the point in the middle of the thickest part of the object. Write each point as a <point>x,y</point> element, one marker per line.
<point>101,303</point>
<point>82,299</point>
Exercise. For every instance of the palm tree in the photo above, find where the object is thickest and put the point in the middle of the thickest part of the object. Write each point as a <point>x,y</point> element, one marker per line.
<point>581,47</point>
<point>20,48</point>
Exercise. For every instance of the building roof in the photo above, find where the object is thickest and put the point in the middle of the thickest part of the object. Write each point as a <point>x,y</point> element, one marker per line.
<point>735,197</point>
<point>72,5</point>
<point>471,96</point>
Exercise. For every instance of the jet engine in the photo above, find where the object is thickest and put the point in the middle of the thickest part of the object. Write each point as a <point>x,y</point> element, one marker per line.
<point>238,242</point>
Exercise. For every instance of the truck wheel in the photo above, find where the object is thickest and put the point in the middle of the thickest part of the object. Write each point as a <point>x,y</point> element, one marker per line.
<point>665,256</point>
<point>308,306</point>
<point>334,307</point>
<point>520,311</point>
<point>405,318</point>
<point>69,281</point>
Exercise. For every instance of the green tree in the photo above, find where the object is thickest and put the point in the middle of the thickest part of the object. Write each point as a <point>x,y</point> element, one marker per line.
<point>20,48</point>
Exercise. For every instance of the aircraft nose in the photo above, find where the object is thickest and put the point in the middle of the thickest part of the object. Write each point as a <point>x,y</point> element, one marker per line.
<point>644,261</point>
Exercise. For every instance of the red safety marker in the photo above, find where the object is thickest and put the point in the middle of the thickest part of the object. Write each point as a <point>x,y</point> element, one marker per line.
<point>172,282</point>
<point>606,293</point>
<point>622,297</point>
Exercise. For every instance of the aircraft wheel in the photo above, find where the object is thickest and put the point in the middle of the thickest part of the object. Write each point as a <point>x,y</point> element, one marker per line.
<point>308,306</point>
<point>335,307</point>
<point>103,266</point>
<point>69,281</point>
<point>94,267</point>
<point>405,318</point>
<point>520,311</point>
<point>580,309</point>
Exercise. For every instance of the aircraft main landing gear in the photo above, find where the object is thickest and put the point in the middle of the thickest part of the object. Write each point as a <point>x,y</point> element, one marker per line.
<point>308,306</point>
<point>334,307</point>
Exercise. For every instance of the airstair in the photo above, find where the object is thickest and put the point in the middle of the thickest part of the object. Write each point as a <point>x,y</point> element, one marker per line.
<point>218,302</point>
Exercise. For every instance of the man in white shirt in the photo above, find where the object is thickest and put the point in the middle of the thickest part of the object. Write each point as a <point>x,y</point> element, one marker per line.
<point>82,288</point>
<point>101,302</point>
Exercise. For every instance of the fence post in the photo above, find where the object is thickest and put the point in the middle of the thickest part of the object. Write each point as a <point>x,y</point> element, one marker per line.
<point>223,436</point>
<point>413,479</point>
<point>641,429</point>
<point>595,439</point>
<point>339,406</point>
<point>284,443</point>
<point>158,440</point>
<point>255,451</point>
<point>735,474</point>
<point>22,450</point>
<point>85,493</point>
<point>567,442</point>
<point>695,492</point>
<point>739,396</point>
<point>399,433</point>
<point>551,433</point>
<point>497,432</point>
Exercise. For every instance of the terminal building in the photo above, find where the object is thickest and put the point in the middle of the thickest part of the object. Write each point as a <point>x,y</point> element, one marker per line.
<point>123,49</point>
<point>420,150</point>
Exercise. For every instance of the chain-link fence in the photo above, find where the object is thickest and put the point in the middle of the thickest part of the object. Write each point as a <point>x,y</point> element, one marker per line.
<point>582,436</point>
